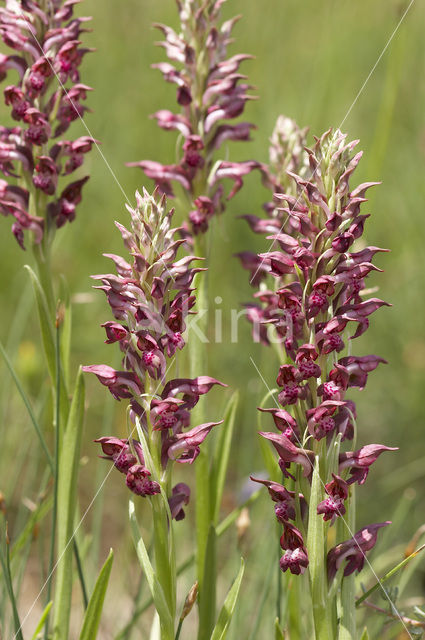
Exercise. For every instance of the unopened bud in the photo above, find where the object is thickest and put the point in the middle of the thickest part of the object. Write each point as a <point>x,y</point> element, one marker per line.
<point>60,314</point>
<point>190,601</point>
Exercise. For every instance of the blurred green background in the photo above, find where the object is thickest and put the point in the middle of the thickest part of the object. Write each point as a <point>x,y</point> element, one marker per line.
<point>311,61</point>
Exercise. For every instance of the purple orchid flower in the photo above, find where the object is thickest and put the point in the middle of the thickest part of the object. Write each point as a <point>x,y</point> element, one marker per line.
<point>295,557</point>
<point>179,498</point>
<point>43,111</point>
<point>198,58</point>
<point>359,461</point>
<point>150,297</point>
<point>353,551</point>
<point>311,284</point>
<point>333,505</point>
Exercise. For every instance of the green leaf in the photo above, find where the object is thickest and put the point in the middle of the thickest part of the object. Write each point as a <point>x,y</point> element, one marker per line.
<point>207,597</point>
<point>365,635</point>
<point>186,564</point>
<point>222,455</point>
<point>46,323</point>
<point>226,613</point>
<point>42,620</point>
<point>94,610</point>
<point>67,500</point>
<point>155,588</point>
<point>278,633</point>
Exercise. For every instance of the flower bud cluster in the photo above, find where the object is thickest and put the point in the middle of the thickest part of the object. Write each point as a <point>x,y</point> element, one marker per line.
<point>150,298</point>
<point>46,37</point>
<point>210,91</point>
<point>315,293</point>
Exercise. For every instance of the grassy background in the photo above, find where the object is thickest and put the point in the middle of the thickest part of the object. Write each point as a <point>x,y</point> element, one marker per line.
<point>311,61</point>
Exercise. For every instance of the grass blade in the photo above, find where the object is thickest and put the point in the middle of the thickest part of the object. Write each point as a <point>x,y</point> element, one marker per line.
<point>278,633</point>
<point>158,596</point>
<point>207,599</point>
<point>27,406</point>
<point>42,620</point>
<point>220,630</point>
<point>222,455</point>
<point>94,610</point>
<point>67,500</point>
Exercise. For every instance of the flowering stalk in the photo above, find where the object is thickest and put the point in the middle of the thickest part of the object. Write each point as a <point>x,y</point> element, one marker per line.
<point>33,154</point>
<point>45,95</point>
<point>210,92</point>
<point>318,291</point>
<point>150,299</point>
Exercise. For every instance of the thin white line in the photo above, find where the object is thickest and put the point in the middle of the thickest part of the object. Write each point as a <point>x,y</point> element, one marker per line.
<point>376,63</point>
<point>91,135</point>
<point>347,114</point>
<point>340,515</point>
<point>81,520</point>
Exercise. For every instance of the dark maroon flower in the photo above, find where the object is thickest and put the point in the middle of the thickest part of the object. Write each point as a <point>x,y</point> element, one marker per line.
<point>45,177</point>
<point>285,500</point>
<point>150,297</point>
<point>295,557</point>
<point>312,285</point>
<point>121,452</point>
<point>121,384</point>
<point>296,560</point>
<point>321,420</point>
<point>353,551</point>
<point>184,447</point>
<point>359,461</point>
<point>138,481</point>
<point>47,40</point>
<point>358,367</point>
<point>284,422</point>
<point>179,498</point>
<point>289,453</point>
<point>288,379</point>
<point>333,505</point>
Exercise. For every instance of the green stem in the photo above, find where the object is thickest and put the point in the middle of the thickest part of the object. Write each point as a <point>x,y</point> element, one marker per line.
<point>221,528</point>
<point>162,555</point>
<point>279,583</point>
<point>42,258</point>
<point>204,516</point>
<point>316,546</point>
<point>80,574</point>
<point>179,628</point>
<point>55,477</point>
<point>347,626</point>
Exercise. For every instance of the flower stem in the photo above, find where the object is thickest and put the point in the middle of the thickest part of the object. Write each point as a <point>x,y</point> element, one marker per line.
<point>279,583</point>
<point>56,476</point>
<point>204,516</point>
<point>316,546</point>
<point>347,626</point>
